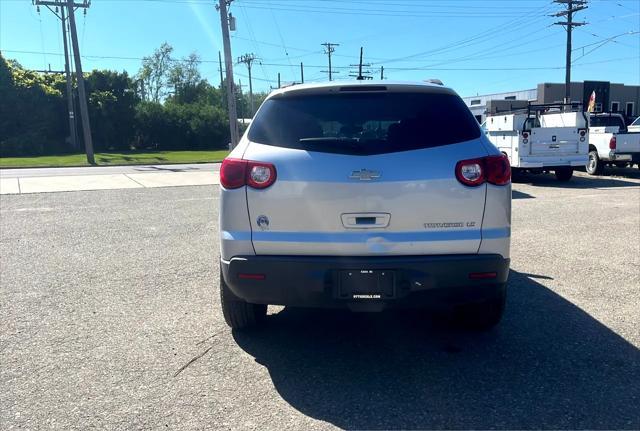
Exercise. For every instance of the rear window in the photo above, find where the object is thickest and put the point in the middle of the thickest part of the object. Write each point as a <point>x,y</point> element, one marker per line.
<point>607,121</point>
<point>364,123</point>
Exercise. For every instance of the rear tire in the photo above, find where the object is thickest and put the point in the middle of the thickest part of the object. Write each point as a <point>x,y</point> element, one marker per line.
<point>594,165</point>
<point>237,313</point>
<point>482,316</point>
<point>564,173</point>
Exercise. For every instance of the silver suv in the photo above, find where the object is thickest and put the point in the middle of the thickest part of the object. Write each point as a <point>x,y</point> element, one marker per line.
<point>364,196</point>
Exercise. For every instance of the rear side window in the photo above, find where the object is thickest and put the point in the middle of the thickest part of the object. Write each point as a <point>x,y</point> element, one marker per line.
<point>607,121</point>
<point>364,123</point>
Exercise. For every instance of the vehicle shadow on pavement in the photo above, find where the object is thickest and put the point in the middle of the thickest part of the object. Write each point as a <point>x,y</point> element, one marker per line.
<point>613,179</point>
<point>547,365</point>
<point>516,194</point>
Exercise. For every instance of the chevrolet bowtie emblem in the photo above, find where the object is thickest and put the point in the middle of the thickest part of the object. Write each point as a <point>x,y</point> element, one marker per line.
<point>364,175</point>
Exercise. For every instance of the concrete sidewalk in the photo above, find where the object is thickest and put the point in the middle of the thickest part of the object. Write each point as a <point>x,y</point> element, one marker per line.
<point>17,184</point>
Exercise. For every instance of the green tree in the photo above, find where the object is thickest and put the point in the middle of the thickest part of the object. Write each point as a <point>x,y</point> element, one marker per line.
<point>155,73</point>
<point>32,112</point>
<point>112,102</point>
<point>184,77</point>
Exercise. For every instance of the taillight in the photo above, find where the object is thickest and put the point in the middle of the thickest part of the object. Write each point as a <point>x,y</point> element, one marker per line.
<point>236,173</point>
<point>233,173</point>
<point>612,143</point>
<point>260,175</point>
<point>492,169</point>
<point>470,172</point>
<point>498,170</point>
<point>525,135</point>
<point>583,134</point>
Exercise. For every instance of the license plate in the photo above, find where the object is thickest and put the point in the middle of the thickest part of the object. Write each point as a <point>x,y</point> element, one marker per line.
<point>366,284</point>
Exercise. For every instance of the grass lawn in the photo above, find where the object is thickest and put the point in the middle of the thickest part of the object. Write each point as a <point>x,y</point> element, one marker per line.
<point>115,159</point>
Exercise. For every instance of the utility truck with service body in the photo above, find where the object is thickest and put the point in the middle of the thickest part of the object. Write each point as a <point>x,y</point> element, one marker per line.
<point>610,143</point>
<point>364,196</point>
<point>540,138</point>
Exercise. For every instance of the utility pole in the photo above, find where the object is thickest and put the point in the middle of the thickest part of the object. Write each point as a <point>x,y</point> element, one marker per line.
<point>381,73</point>
<point>248,59</point>
<point>278,79</point>
<point>572,6</point>
<point>329,48</point>
<point>239,96</point>
<point>301,73</point>
<point>72,119</point>
<point>82,94</point>
<point>360,76</point>
<point>220,69</point>
<point>61,15</point>
<point>231,100</point>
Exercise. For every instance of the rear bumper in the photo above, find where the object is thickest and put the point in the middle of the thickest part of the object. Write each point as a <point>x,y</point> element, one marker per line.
<point>624,157</point>
<point>552,162</point>
<point>314,281</point>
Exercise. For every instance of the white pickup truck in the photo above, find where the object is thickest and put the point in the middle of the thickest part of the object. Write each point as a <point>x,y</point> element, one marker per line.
<point>635,126</point>
<point>540,138</point>
<point>610,143</point>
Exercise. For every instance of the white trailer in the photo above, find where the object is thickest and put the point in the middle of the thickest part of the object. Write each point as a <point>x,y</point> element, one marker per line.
<point>541,138</point>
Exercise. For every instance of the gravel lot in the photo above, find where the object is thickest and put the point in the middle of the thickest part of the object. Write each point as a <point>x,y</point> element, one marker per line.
<point>109,318</point>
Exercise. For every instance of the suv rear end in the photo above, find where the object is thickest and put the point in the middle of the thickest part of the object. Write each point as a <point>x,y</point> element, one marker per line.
<point>364,196</point>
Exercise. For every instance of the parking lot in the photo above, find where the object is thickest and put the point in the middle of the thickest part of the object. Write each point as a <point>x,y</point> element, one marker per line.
<point>110,319</point>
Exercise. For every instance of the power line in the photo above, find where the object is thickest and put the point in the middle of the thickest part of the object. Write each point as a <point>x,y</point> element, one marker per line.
<point>411,5</point>
<point>601,44</point>
<point>286,53</point>
<point>278,45</point>
<point>44,56</point>
<point>254,41</point>
<point>491,33</point>
<point>421,68</point>
<point>379,12</point>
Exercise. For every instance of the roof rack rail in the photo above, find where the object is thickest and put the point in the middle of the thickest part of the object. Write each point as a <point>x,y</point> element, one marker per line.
<point>537,108</point>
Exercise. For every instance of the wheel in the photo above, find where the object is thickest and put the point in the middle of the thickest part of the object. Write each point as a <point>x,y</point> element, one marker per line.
<point>237,313</point>
<point>594,165</point>
<point>483,315</point>
<point>564,173</point>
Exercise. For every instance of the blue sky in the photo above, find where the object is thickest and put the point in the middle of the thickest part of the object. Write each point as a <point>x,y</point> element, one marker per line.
<point>474,46</point>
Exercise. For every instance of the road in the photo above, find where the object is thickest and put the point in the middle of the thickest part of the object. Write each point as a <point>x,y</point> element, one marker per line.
<point>110,319</point>
<point>107,170</point>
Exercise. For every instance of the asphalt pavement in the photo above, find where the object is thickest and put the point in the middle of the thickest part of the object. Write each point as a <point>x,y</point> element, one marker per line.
<point>110,319</point>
